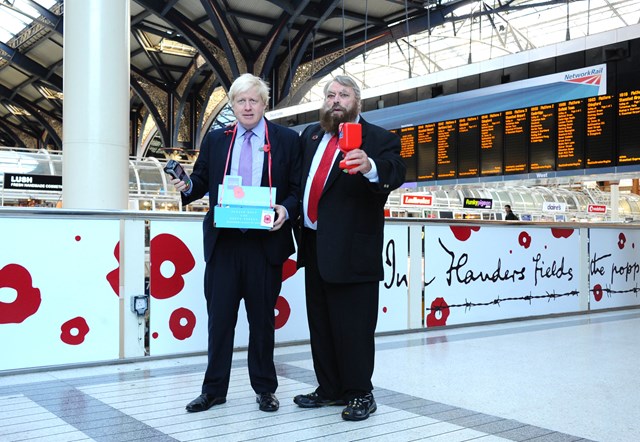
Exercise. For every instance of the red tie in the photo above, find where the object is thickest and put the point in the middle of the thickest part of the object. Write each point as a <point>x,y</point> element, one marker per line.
<point>320,177</point>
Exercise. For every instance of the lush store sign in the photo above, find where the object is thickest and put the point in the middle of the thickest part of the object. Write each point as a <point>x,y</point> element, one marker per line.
<point>22,181</point>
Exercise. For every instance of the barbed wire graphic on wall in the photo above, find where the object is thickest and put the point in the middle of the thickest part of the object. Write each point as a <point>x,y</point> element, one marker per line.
<point>597,292</point>
<point>468,304</point>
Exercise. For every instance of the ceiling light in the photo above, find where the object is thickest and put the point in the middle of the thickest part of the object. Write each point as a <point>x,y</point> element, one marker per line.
<point>49,93</point>
<point>15,110</point>
<point>172,47</point>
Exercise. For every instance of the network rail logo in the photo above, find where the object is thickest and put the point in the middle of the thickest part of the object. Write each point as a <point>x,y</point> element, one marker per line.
<point>589,76</point>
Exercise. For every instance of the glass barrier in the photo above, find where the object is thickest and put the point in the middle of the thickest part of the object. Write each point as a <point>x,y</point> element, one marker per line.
<point>149,189</point>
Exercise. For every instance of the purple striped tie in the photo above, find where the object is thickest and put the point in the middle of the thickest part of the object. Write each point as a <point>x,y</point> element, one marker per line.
<point>245,166</point>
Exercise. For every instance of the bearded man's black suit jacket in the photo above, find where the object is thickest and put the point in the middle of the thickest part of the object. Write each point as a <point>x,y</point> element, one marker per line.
<point>350,229</point>
<point>343,262</point>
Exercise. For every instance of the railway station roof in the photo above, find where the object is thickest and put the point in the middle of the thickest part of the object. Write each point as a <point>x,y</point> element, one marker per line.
<point>292,44</point>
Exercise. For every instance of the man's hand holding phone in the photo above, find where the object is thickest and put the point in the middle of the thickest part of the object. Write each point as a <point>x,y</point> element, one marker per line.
<point>180,185</point>
<point>179,177</point>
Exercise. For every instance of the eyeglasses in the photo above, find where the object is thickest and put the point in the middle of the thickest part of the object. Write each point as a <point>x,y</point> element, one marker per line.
<point>243,102</point>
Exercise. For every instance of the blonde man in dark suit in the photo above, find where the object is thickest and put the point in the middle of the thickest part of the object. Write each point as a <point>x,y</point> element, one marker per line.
<point>245,264</point>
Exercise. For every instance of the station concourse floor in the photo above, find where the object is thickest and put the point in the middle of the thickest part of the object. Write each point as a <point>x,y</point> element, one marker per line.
<point>567,378</point>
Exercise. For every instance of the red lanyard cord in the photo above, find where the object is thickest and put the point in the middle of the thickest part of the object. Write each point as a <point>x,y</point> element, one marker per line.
<point>266,148</point>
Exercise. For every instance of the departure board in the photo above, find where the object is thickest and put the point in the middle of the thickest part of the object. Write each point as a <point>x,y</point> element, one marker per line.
<point>408,151</point>
<point>629,128</point>
<point>601,131</point>
<point>491,128</point>
<point>571,120</point>
<point>600,140</point>
<point>542,138</point>
<point>516,141</point>
<point>468,146</point>
<point>447,149</point>
<point>427,151</point>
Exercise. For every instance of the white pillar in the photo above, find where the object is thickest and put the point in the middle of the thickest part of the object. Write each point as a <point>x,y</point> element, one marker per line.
<point>615,202</point>
<point>95,123</point>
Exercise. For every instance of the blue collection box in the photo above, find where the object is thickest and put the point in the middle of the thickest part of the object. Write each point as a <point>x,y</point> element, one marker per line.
<point>244,207</point>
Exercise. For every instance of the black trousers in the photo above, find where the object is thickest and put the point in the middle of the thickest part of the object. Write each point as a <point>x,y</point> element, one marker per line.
<point>239,270</point>
<point>342,322</point>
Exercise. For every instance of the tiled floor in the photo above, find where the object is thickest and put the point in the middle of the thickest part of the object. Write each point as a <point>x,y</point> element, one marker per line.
<point>563,379</point>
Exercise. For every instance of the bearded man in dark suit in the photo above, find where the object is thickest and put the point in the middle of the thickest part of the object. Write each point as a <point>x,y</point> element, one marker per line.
<point>245,264</point>
<point>341,240</point>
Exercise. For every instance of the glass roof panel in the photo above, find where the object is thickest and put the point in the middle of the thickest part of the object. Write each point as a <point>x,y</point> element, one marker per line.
<point>483,31</point>
<point>15,15</point>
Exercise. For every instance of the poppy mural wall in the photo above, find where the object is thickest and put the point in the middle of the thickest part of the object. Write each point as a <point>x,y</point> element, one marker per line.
<point>614,268</point>
<point>56,304</point>
<point>475,274</point>
<point>394,289</point>
<point>179,316</point>
<point>63,298</point>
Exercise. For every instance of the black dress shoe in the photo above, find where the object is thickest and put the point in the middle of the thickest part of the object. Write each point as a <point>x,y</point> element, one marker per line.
<point>268,402</point>
<point>314,400</point>
<point>204,402</point>
<point>359,408</point>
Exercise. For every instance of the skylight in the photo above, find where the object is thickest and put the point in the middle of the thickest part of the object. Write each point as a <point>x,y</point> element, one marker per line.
<point>478,35</point>
<point>15,15</point>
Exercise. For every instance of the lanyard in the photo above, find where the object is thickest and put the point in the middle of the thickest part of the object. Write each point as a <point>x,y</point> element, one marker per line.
<point>266,148</point>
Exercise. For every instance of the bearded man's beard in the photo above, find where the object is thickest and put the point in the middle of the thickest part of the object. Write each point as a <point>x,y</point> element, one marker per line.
<point>330,122</point>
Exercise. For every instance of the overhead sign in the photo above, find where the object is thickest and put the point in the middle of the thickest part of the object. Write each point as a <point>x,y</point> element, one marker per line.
<point>554,207</point>
<point>25,181</point>
<point>596,208</point>
<point>478,203</point>
<point>410,199</point>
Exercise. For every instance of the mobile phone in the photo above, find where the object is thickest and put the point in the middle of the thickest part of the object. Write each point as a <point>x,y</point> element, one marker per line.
<point>176,170</point>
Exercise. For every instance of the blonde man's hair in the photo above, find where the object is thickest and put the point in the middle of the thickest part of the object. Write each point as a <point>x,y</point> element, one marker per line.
<point>247,82</point>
